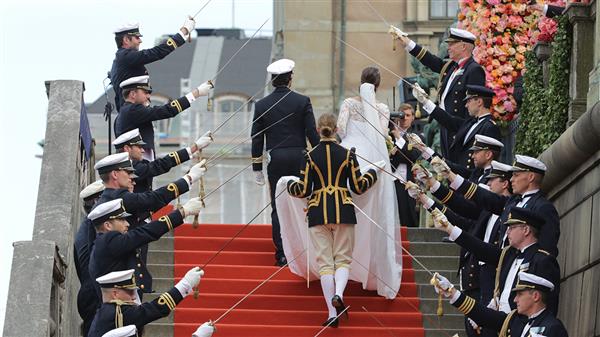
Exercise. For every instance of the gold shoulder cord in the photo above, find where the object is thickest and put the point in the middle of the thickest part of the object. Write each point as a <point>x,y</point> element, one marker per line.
<point>504,329</point>
<point>497,282</point>
<point>439,84</point>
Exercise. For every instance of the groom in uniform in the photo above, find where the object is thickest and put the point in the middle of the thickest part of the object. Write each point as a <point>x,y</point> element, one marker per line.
<point>284,119</point>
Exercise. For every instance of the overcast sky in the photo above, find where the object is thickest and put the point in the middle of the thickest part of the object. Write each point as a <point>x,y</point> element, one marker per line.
<point>50,40</point>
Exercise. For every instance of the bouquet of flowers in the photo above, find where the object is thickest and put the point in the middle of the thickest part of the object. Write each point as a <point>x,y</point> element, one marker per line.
<point>505,30</point>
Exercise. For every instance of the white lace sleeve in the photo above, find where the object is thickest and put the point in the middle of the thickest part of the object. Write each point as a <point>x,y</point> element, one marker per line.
<point>342,120</point>
<point>384,117</point>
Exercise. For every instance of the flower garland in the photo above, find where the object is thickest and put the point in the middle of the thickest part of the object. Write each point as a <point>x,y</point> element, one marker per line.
<point>505,31</point>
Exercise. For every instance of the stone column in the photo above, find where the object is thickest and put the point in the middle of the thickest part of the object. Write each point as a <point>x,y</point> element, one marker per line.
<point>422,10</point>
<point>582,54</point>
<point>543,51</point>
<point>593,94</point>
<point>411,10</point>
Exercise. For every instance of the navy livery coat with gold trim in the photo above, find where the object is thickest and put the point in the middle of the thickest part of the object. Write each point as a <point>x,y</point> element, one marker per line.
<point>512,324</point>
<point>330,168</point>
<point>130,63</point>
<point>146,170</point>
<point>116,314</point>
<point>137,116</point>
<point>114,251</point>
<point>472,74</point>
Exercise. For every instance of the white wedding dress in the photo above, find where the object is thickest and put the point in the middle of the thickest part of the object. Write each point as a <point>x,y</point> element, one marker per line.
<point>377,255</point>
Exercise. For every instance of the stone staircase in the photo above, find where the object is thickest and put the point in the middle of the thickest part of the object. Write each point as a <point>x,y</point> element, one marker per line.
<point>425,245</point>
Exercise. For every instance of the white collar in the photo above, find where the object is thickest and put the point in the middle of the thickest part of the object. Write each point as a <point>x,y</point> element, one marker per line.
<point>537,314</point>
<point>525,248</point>
<point>529,193</point>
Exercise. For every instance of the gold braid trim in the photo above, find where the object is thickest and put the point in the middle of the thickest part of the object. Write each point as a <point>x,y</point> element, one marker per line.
<point>176,105</point>
<point>422,53</point>
<point>471,191</point>
<point>467,305</point>
<point>447,197</point>
<point>167,220</point>
<point>257,160</point>
<point>504,329</point>
<point>175,156</point>
<point>173,188</point>
<point>167,299</point>
<point>497,282</point>
<point>172,43</point>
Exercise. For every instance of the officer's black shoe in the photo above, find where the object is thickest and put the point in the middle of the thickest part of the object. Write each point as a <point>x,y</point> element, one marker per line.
<point>339,306</point>
<point>280,262</point>
<point>446,239</point>
<point>331,322</point>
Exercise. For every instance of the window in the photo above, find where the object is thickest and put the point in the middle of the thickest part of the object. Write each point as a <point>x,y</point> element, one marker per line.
<point>443,9</point>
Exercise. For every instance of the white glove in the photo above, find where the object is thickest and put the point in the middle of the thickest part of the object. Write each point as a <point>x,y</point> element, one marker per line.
<point>413,189</point>
<point>440,221</point>
<point>204,141</point>
<point>197,171</point>
<point>205,87</point>
<point>189,281</point>
<point>259,178</point>
<point>193,206</point>
<point>420,173</point>
<point>441,284</point>
<point>440,167</point>
<point>205,330</point>
<point>493,304</point>
<point>419,93</point>
<point>189,24</point>
<point>473,324</point>
<point>416,141</point>
<point>396,32</point>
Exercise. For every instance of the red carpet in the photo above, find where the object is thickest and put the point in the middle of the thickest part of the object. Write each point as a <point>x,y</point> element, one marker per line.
<point>284,306</point>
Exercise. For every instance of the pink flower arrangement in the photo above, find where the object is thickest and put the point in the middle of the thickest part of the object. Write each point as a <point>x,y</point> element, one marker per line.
<point>505,30</point>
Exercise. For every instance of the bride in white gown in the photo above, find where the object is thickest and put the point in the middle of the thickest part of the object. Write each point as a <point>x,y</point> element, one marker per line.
<point>377,256</point>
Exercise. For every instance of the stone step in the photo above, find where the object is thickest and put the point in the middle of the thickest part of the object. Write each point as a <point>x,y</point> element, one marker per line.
<point>423,277</point>
<point>434,248</point>
<point>435,263</point>
<point>425,235</point>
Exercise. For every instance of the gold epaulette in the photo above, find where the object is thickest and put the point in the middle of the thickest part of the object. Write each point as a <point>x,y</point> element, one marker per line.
<point>166,220</point>
<point>167,299</point>
<point>467,305</point>
<point>175,155</point>
<point>172,43</point>
<point>176,105</point>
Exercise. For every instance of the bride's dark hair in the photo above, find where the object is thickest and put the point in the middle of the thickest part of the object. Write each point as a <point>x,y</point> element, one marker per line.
<point>371,75</point>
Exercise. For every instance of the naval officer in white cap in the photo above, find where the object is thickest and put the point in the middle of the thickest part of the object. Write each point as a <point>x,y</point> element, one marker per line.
<point>283,121</point>
<point>461,70</point>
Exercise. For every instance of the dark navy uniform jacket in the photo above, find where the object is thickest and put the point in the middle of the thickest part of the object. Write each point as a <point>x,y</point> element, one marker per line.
<point>146,170</point>
<point>137,116</point>
<point>472,74</point>
<point>131,63</point>
<point>117,314</point>
<point>329,170</point>
<point>290,120</point>
<point>460,144</point>
<point>512,324</point>
<point>533,257</point>
<point>87,300</point>
<point>406,204</point>
<point>499,204</point>
<point>114,251</point>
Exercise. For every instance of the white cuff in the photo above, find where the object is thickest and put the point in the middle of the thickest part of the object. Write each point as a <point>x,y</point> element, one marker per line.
<point>545,10</point>
<point>184,37</point>
<point>459,180</point>
<point>455,297</point>
<point>190,97</point>
<point>400,142</point>
<point>429,106</point>
<point>189,151</point>
<point>410,45</point>
<point>183,287</point>
<point>455,233</point>
<point>427,153</point>
<point>428,203</point>
<point>436,185</point>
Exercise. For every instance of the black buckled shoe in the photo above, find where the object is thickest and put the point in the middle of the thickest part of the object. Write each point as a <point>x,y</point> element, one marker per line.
<point>339,306</point>
<point>280,262</point>
<point>331,322</point>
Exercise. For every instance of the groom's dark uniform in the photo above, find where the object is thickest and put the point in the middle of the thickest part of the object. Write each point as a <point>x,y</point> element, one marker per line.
<point>284,120</point>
